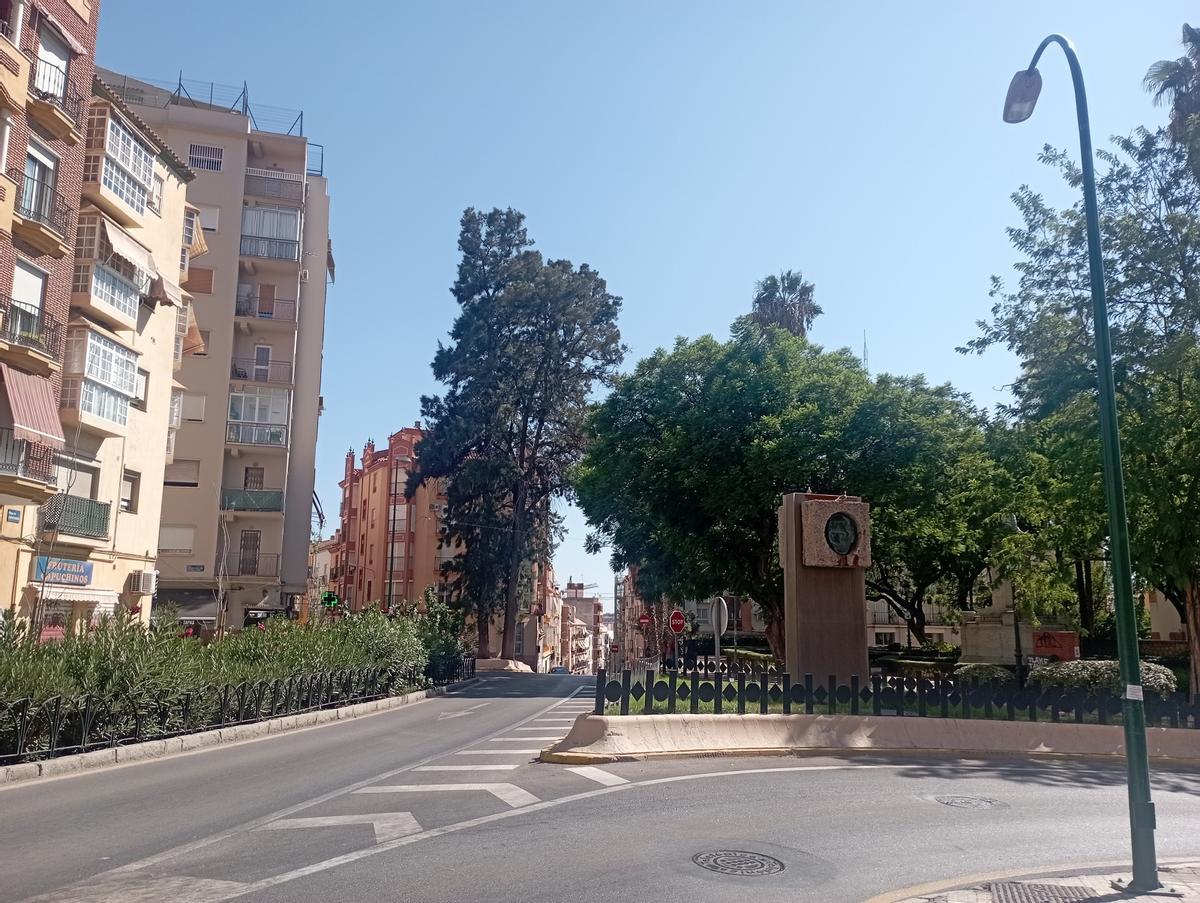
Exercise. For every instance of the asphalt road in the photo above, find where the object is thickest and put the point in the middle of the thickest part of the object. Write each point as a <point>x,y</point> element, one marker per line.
<point>442,801</point>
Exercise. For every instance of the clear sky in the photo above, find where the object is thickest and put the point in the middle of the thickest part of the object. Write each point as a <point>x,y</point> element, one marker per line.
<point>685,149</point>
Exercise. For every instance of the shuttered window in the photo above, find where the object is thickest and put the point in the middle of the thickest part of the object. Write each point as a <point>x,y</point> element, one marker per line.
<point>176,539</point>
<point>182,473</point>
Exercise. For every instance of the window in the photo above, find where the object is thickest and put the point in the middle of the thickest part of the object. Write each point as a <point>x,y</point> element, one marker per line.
<point>128,166</point>
<point>258,404</point>
<point>29,286</point>
<point>199,280</point>
<point>519,640</point>
<point>139,390</point>
<point>131,483</point>
<point>41,178</point>
<point>885,638</point>
<point>175,414</point>
<point>271,222</point>
<point>205,156</point>
<point>253,478</point>
<point>101,359</point>
<point>76,477</point>
<point>371,554</point>
<point>936,637</point>
<point>182,473</point>
<point>210,217</point>
<point>193,407</point>
<point>53,58</point>
<point>205,337</point>
<point>176,540</point>
<point>156,195</point>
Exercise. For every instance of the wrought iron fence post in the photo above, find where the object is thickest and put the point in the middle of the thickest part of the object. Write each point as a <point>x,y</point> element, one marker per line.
<point>601,686</point>
<point>625,678</point>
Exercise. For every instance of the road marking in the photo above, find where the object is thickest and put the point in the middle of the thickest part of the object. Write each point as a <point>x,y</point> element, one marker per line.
<point>534,729</point>
<point>111,887</point>
<point>467,768</point>
<point>524,739</point>
<point>555,721</point>
<point>498,752</point>
<point>599,775</point>
<point>467,711</point>
<point>387,825</point>
<point>507,793</point>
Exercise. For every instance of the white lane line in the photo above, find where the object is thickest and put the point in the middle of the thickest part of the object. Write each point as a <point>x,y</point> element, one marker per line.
<point>524,739</point>
<point>466,768</point>
<point>555,721</point>
<point>387,825</point>
<point>531,729</point>
<point>599,775</point>
<point>511,794</point>
<point>498,752</point>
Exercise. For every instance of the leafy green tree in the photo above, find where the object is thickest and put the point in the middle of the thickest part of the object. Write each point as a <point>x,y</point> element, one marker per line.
<point>785,301</point>
<point>1177,82</point>
<point>531,342</point>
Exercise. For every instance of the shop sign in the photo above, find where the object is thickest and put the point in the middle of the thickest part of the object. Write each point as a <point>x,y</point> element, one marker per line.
<point>65,571</point>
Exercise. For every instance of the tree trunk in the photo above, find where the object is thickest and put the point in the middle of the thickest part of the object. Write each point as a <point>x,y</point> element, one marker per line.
<point>483,629</point>
<point>1087,611</point>
<point>1193,635</point>
<point>508,648</point>
<point>916,622</point>
<point>775,639</point>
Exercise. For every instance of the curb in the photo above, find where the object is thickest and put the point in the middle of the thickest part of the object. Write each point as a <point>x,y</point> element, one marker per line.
<point>157,749</point>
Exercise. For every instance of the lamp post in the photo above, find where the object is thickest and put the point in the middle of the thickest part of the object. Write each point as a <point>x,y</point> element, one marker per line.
<point>1018,106</point>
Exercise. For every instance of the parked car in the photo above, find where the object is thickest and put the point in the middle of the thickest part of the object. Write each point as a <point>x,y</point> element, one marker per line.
<point>559,669</point>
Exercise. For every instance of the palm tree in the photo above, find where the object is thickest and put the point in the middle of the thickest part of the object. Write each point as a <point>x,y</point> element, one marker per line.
<point>1177,82</point>
<point>786,301</point>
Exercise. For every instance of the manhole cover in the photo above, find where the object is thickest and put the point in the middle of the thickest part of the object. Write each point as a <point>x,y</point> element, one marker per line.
<point>737,862</point>
<point>970,802</point>
<point>1015,892</point>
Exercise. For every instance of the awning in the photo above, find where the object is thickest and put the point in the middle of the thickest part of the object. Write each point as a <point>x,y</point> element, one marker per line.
<point>34,412</point>
<point>105,600</point>
<point>71,40</point>
<point>164,291</point>
<point>193,342</point>
<point>125,246</point>
<point>198,247</point>
<point>193,604</point>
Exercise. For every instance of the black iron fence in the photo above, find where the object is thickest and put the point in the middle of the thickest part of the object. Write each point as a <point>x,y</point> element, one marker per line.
<point>59,726</point>
<point>719,692</point>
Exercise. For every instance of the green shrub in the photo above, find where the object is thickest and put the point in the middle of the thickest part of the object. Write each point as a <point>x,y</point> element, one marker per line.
<point>1094,676</point>
<point>983,673</point>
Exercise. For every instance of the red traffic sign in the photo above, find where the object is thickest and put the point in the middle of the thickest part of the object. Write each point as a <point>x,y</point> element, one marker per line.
<point>678,622</point>
<point>644,619</point>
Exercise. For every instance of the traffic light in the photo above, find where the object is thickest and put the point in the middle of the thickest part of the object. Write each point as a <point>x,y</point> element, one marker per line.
<point>329,599</point>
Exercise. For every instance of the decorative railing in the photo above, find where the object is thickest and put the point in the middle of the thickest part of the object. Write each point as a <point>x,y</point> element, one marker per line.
<point>255,433</point>
<point>251,499</point>
<point>29,460</point>
<point>265,564</point>
<point>772,692</point>
<point>275,248</point>
<point>38,201</point>
<point>29,327</point>
<point>262,309</point>
<point>75,516</point>
<point>259,372</point>
<point>49,83</point>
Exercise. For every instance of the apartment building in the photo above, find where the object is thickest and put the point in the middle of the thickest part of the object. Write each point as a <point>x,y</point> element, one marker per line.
<point>237,504</point>
<point>389,548</point>
<point>539,622</point>
<point>590,610</point>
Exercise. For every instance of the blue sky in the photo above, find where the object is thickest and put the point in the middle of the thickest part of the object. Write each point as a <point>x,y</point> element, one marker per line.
<point>685,149</point>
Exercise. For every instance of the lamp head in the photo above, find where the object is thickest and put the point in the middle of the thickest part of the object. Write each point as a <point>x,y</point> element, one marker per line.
<point>1022,97</point>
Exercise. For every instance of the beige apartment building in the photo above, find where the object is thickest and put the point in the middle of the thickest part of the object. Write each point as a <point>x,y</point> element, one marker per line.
<point>237,504</point>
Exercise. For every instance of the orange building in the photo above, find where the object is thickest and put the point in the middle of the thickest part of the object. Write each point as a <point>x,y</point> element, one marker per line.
<point>388,548</point>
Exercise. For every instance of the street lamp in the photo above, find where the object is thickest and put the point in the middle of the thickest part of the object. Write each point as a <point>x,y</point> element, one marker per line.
<point>1018,106</point>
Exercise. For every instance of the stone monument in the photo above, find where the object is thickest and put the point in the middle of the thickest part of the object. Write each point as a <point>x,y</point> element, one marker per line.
<point>825,549</point>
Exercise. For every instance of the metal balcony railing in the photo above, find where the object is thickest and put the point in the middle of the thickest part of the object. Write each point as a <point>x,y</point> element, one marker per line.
<point>275,248</point>
<point>238,433</point>
<point>75,516</point>
<point>29,460</point>
<point>275,183</point>
<point>260,309</point>
<point>258,372</point>
<point>38,201</point>
<point>49,83</point>
<point>29,327</point>
<point>261,565</point>
<point>251,499</point>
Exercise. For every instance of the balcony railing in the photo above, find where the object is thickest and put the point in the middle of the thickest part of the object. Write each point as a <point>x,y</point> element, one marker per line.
<point>25,459</point>
<point>262,565</point>
<point>275,248</point>
<point>38,201</point>
<point>75,516</point>
<point>259,309</point>
<point>275,183</point>
<point>49,82</point>
<point>29,327</point>
<point>251,499</point>
<point>258,372</point>
<point>238,433</point>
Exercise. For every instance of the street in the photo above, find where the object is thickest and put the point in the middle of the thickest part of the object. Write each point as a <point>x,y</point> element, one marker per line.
<point>441,800</point>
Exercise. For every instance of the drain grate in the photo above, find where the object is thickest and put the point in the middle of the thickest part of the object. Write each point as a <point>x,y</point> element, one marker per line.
<point>969,802</point>
<point>1016,892</point>
<point>738,862</point>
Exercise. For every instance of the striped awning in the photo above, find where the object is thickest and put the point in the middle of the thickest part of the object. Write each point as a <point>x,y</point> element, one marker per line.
<point>126,246</point>
<point>34,413</point>
<point>164,291</point>
<point>105,600</point>
<point>72,41</point>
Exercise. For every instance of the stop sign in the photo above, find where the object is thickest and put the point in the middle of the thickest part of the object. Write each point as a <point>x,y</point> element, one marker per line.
<point>644,619</point>
<point>678,622</point>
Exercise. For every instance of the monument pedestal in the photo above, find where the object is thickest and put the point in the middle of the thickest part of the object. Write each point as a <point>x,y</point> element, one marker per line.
<point>825,549</point>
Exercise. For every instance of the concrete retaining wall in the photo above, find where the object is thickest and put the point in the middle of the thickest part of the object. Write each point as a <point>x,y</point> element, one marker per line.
<point>601,738</point>
<point>156,749</point>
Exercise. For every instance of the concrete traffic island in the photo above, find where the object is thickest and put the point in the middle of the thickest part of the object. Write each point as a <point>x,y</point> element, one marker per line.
<point>501,664</point>
<point>595,739</point>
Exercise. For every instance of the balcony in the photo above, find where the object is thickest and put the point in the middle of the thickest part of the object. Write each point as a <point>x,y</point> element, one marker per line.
<point>109,296</point>
<point>251,500</point>
<point>275,184</point>
<point>244,565</point>
<point>40,215</point>
<point>28,339</point>
<point>270,248</point>
<point>72,515</point>
<point>278,372</point>
<point>14,71</point>
<point>262,434</point>
<point>267,311</point>
<point>27,472</point>
<point>54,103</point>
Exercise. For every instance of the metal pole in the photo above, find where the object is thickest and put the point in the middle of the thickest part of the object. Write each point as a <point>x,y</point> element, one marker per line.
<point>1141,808</point>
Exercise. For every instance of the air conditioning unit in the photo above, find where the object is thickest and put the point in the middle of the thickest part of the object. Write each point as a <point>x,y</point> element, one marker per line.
<point>144,583</point>
<point>304,275</point>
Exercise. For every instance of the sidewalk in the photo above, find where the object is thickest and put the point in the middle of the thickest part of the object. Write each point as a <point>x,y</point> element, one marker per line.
<point>1181,882</point>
